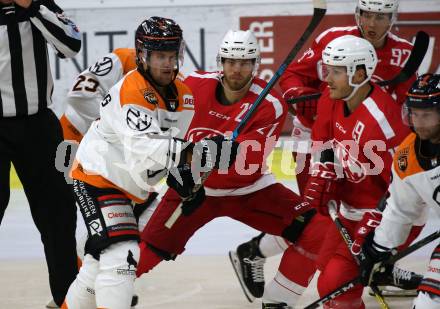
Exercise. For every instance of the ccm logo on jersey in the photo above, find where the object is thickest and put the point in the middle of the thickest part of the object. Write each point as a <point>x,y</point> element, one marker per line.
<point>218,115</point>
<point>188,101</point>
<point>137,120</point>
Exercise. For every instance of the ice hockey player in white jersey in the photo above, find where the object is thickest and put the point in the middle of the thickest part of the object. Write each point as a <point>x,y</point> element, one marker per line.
<point>415,185</point>
<point>132,145</point>
<point>90,87</point>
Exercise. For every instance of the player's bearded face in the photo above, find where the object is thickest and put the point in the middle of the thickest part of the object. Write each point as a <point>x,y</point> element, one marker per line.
<point>337,80</point>
<point>162,65</point>
<point>237,72</point>
<point>374,25</point>
<point>426,123</point>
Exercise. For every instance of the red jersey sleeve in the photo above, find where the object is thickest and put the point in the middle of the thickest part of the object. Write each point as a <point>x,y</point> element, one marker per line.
<point>303,72</point>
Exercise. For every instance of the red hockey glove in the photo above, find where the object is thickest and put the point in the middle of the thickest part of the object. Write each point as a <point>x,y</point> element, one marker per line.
<point>305,110</point>
<point>368,223</point>
<point>322,186</point>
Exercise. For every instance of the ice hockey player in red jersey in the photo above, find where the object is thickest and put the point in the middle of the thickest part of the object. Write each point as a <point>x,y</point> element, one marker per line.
<point>415,186</point>
<point>243,191</point>
<point>354,135</point>
<point>374,21</point>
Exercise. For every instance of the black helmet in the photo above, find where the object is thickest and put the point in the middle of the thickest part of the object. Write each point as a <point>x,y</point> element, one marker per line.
<point>425,92</point>
<point>158,33</point>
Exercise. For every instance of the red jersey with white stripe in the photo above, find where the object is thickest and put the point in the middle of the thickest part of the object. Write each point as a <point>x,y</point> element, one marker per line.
<point>391,58</point>
<point>257,138</point>
<point>363,142</point>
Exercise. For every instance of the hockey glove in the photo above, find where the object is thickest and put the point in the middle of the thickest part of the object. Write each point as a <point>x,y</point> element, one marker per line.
<point>181,180</point>
<point>322,186</point>
<point>368,224</point>
<point>375,255</point>
<point>294,230</point>
<point>193,202</point>
<point>306,109</point>
<point>216,152</point>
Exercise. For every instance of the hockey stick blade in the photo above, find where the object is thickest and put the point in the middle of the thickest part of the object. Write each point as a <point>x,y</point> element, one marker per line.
<point>416,57</point>
<point>319,10</point>
<point>394,258</point>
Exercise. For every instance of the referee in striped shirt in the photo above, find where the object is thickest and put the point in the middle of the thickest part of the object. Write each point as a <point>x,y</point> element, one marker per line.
<point>30,132</point>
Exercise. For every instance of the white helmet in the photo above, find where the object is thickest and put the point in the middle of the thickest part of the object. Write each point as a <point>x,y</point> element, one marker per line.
<point>377,6</point>
<point>239,45</point>
<point>351,51</point>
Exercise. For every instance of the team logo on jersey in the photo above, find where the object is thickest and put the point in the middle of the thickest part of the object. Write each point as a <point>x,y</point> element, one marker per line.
<point>354,170</point>
<point>138,120</point>
<point>150,96</point>
<point>102,67</point>
<point>196,134</point>
<point>402,159</point>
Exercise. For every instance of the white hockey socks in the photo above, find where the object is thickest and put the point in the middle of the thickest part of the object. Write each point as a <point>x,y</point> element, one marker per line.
<point>81,294</point>
<point>271,245</point>
<point>114,285</point>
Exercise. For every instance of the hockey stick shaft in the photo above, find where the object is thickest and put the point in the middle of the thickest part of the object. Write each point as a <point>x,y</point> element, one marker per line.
<point>411,66</point>
<point>332,209</point>
<point>394,258</point>
<point>319,10</point>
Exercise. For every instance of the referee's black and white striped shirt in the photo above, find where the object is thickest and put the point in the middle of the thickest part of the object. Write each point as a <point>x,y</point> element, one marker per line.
<point>26,83</point>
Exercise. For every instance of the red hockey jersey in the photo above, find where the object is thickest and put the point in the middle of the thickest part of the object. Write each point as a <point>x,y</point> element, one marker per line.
<point>391,58</point>
<point>257,138</point>
<point>363,143</point>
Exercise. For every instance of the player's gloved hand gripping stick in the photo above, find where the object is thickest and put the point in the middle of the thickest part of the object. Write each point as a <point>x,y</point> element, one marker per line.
<point>357,280</point>
<point>333,211</point>
<point>319,10</point>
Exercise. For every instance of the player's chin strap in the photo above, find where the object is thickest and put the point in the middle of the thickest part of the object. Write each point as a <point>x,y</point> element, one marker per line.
<point>355,87</point>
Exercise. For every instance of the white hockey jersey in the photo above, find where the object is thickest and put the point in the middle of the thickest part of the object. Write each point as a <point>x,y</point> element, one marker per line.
<point>90,87</point>
<point>133,143</point>
<point>414,187</point>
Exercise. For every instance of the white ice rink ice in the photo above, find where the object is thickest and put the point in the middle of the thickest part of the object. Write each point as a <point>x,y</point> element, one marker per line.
<point>201,278</point>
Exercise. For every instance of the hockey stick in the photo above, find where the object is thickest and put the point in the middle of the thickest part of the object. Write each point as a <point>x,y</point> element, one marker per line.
<point>319,10</point>
<point>394,258</point>
<point>411,66</point>
<point>332,209</point>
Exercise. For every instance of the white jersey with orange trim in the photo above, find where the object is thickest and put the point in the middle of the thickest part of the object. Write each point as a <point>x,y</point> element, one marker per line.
<point>134,140</point>
<point>90,87</point>
<point>415,186</point>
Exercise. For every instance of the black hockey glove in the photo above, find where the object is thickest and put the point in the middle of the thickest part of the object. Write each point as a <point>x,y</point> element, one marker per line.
<point>375,255</point>
<point>295,229</point>
<point>192,203</point>
<point>216,152</point>
<point>184,187</point>
<point>181,180</point>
